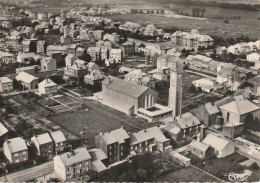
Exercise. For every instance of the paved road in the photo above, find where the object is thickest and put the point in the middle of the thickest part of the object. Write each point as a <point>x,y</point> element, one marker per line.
<point>30,173</point>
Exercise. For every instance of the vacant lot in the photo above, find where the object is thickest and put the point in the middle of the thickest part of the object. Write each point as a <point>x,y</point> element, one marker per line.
<point>187,175</point>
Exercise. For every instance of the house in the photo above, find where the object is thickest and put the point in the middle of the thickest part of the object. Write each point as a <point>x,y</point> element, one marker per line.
<point>65,39</point>
<point>98,34</point>
<point>221,50</point>
<point>15,150</point>
<point>149,140</point>
<point>99,159</point>
<point>103,54</point>
<point>7,25</point>
<point>128,48</point>
<point>59,141</point>
<point>72,165</point>
<point>41,46</point>
<point>6,58</point>
<point>25,57</point>
<point>138,77</point>
<point>192,39</point>
<point>236,111</point>
<point>76,72</point>
<point>253,57</point>
<point>198,149</point>
<point>48,64</point>
<point>94,52</point>
<point>94,77</point>
<point>3,130</point>
<point>221,147</point>
<point>28,81</point>
<point>6,84</point>
<point>165,62</point>
<point>151,59</point>
<point>125,96</point>
<point>209,114</point>
<point>43,144</point>
<point>183,126</point>
<point>207,85</point>
<point>47,87</point>
<point>42,17</point>
<point>29,69</point>
<point>51,49</point>
<point>115,144</point>
<point>70,59</point>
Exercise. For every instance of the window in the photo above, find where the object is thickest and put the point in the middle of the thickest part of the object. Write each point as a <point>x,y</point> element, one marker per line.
<point>228,116</point>
<point>68,169</point>
<point>17,161</point>
<point>80,165</point>
<point>16,155</point>
<point>24,159</point>
<point>24,152</point>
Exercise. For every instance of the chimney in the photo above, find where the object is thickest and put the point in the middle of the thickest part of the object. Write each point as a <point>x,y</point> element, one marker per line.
<point>100,133</point>
<point>73,152</point>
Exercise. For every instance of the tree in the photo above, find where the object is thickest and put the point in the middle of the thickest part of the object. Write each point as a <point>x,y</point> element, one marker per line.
<point>54,180</point>
<point>226,21</point>
<point>141,174</point>
<point>9,109</point>
<point>192,89</point>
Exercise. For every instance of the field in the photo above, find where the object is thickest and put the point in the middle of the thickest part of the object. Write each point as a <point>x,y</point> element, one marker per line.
<point>247,25</point>
<point>187,175</point>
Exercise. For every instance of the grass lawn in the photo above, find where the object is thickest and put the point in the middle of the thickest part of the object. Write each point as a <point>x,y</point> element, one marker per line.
<point>189,174</point>
<point>219,166</point>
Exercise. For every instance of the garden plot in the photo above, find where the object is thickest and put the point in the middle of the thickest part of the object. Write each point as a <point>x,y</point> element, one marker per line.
<point>61,104</point>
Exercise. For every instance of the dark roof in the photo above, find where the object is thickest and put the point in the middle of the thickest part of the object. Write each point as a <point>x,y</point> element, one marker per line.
<point>125,87</point>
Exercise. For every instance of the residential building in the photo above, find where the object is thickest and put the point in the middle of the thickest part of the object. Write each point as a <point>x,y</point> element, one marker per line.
<point>59,141</point>
<point>94,52</point>
<point>28,69</point>
<point>182,126</point>
<point>43,144</point>
<point>125,96</point>
<point>76,72</point>
<point>115,55</point>
<point>48,64</point>
<point>149,140</point>
<point>6,58</point>
<point>221,147</point>
<point>41,46</point>
<point>192,39</point>
<point>15,150</point>
<point>165,62</point>
<point>103,54</point>
<point>138,77</point>
<point>99,159</point>
<point>70,59</point>
<point>235,112</point>
<point>209,114</point>
<point>115,144</point>
<point>47,87</point>
<point>207,85</point>
<point>28,81</point>
<point>72,165</point>
<point>6,84</point>
<point>25,57</point>
<point>51,49</point>
<point>253,57</point>
<point>42,17</point>
<point>98,34</point>
<point>128,48</point>
<point>94,77</point>
<point>198,149</point>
